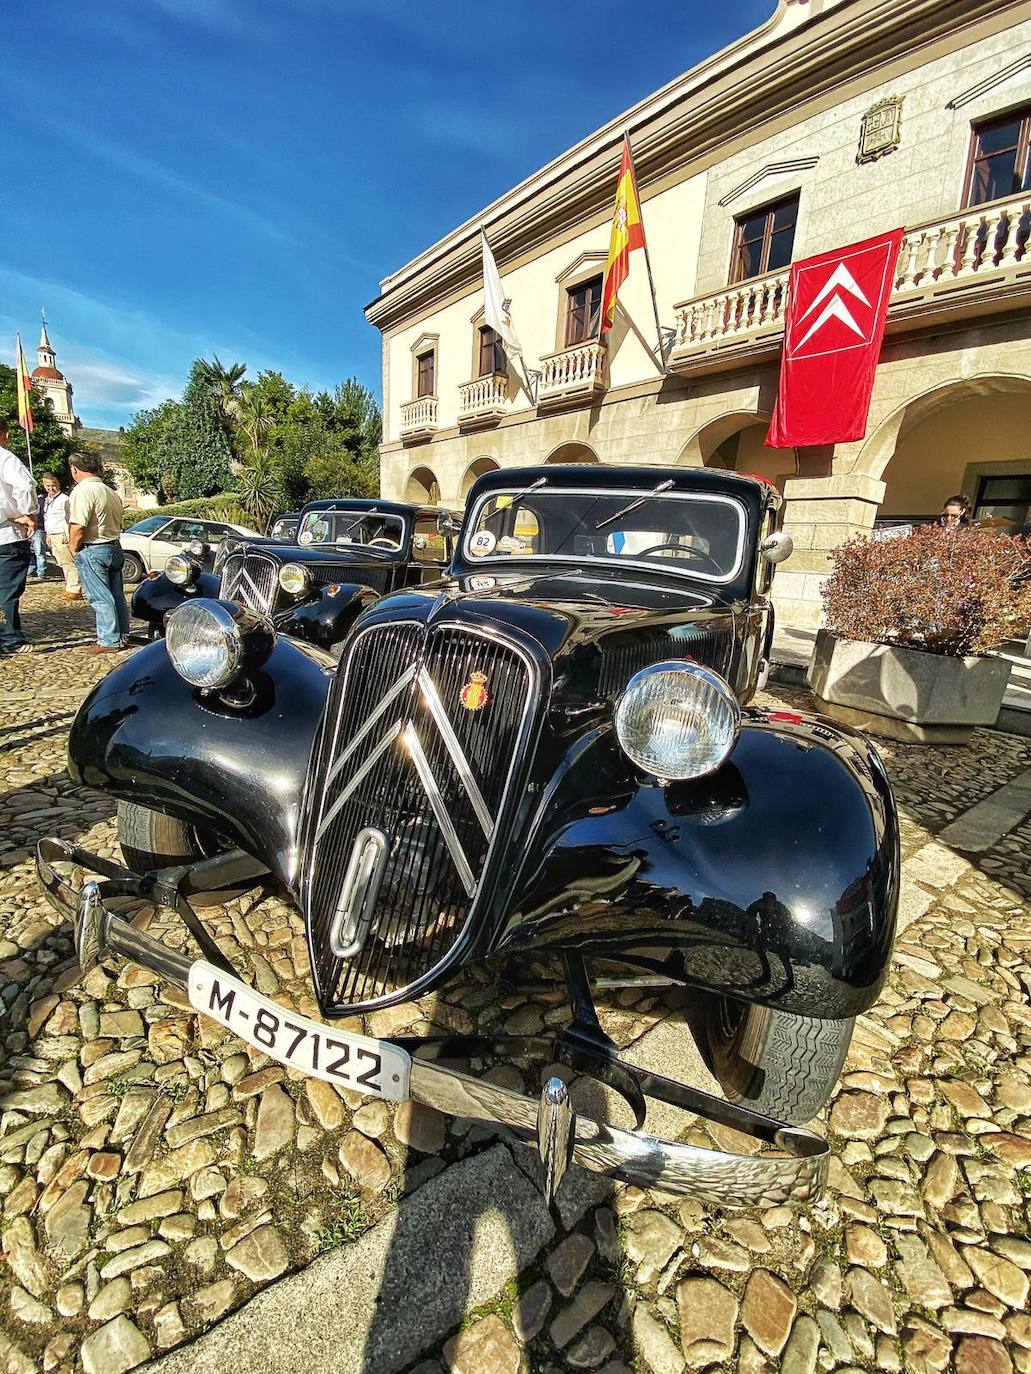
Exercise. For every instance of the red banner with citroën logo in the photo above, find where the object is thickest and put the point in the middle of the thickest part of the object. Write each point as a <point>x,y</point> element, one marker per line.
<point>837,306</point>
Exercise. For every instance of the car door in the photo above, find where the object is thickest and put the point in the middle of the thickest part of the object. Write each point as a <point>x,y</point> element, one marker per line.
<point>175,537</point>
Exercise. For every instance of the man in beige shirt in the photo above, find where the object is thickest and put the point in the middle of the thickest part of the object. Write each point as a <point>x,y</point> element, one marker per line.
<point>94,526</point>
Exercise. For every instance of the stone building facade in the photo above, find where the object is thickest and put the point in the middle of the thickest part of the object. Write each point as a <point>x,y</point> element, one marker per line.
<point>836,120</point>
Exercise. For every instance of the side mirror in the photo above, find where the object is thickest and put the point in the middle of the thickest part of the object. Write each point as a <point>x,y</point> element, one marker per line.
<point>447,524</point>
<point>777,546</point>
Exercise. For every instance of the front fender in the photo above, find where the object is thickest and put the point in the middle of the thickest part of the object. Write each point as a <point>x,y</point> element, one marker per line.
<point>326,620</point>
<point>144,735</point>
<point>775,880</point>
<point>156,596</point>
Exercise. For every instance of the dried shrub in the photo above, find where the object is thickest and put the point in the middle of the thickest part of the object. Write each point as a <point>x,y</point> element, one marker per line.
<point>957,593</point>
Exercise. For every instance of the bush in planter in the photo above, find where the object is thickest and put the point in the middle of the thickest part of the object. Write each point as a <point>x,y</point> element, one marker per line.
<point>946,592</point>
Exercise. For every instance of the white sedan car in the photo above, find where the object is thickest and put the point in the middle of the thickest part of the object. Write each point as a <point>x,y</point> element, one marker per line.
<point>150,542</point>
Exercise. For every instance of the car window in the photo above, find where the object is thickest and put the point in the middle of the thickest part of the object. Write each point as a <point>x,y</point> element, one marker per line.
<point>686,532</point>
<point>429,544</point>
<point>182,531</point>
<point>353,528</point>
<point>148,526</point>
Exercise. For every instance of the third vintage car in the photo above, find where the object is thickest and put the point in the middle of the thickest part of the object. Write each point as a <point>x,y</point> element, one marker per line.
<point>548,754</point>
<point>343,555</point>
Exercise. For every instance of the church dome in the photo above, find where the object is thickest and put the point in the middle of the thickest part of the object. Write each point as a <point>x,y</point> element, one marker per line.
<point>50,373</point>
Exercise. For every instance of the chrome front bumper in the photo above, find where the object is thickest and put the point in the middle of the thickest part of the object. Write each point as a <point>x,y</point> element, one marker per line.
<point>548,1123</point>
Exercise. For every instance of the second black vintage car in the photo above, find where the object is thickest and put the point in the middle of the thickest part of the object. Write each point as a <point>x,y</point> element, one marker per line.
<point>548,753</point>
<point>344,555</point>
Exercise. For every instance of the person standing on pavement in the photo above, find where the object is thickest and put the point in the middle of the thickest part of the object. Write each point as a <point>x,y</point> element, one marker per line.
<point>17,522</point>
<point>39,540</point>
<point>94,527</point>
<point>55,526</point>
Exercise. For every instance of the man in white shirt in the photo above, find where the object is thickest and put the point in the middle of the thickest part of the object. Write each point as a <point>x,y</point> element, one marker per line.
<point>17,523</point>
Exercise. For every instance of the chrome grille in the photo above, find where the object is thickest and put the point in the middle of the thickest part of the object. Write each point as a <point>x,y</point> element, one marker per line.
<point>400,754</point>
<point>713,648</point>
<point>252,579</point>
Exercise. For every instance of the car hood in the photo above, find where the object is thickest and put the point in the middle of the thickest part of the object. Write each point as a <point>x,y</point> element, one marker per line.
<point>310,554</point>
<point>593,629</point>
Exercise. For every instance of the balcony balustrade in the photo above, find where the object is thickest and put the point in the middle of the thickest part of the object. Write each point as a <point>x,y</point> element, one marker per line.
<point>483,401</point>
<point>419,419</point>
<point>977,257</point>
<point>573,375</point>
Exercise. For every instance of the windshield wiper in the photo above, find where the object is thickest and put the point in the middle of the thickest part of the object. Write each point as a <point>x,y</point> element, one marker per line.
<point>364,515</point>
<point>663,486</point>
<point>514,500</point>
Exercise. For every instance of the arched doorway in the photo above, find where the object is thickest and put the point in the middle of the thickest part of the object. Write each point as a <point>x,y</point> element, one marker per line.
<point>422,488</point>
<point>970,437</point>
<point>737,443</point>
<point>476,469</point>
<point>573,453</point>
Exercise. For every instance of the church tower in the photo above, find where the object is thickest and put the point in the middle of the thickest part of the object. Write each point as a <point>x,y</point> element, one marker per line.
<point>54,386</point>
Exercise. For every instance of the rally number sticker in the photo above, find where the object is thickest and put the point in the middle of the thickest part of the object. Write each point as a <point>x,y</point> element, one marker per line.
<point>482,543</point>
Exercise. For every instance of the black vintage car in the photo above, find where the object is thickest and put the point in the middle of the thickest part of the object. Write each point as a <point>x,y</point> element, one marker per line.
<point>344,555</point>
<point>284,526</point>
<point>549,754</point>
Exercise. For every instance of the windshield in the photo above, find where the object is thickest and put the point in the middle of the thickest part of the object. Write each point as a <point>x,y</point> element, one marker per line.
<point>365,528</point>
<point>148,526</point>
<point>685,532</point>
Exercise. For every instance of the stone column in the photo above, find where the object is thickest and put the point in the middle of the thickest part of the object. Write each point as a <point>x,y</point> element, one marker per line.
<point>819,513</point>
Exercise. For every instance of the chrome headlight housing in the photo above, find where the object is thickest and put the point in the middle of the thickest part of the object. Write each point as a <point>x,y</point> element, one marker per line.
<point>294,578</point>
<point>677,720</point>
<point>211,643</point>
<point>181,569</point>
<point>197,547</point>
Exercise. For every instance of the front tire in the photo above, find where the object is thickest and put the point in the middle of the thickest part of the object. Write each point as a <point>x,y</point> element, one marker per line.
<point>150,840</point>
<point>133,569</point>
<point>781,1065</point>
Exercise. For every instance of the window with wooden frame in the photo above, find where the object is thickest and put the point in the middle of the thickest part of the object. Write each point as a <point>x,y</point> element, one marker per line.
<point>1000,158</point>
<point>763,240</point>
<point>426,373</point>
<point>492,352</point>
<point>583,312</point>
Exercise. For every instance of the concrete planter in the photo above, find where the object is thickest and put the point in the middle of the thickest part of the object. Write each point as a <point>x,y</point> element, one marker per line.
<point>903,693</point>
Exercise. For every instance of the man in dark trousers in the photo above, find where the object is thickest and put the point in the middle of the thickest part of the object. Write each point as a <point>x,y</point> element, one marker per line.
<point>17,523</point>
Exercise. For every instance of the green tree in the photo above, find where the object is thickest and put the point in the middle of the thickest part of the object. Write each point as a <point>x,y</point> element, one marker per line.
<point>144,445</point>
<point>223,384</point>
<point>194,453</point>
<point>338,472</point>
<point>50,445</point>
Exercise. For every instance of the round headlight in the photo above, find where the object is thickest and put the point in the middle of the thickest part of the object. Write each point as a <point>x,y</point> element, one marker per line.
<point>180,569</point>
<point>198,548</point>
<point>677,720</point>
<point>294,578</point>
<point>211,643</point>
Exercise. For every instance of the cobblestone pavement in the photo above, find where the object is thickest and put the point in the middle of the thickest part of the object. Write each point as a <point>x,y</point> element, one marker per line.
<point>155,1173</point>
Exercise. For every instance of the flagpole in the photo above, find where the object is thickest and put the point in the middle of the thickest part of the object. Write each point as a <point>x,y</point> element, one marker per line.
<point>28,445</point>
<point>648,262</point>
<point>23,399</point>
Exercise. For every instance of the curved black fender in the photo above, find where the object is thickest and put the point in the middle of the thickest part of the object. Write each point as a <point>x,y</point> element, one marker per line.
<point>774,880</point>
<point>144,735</point>
<point>326,620</point>
<point>154,597</point>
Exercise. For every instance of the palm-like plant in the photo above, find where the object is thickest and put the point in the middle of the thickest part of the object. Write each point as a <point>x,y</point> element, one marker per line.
<point>224,384</point>
<point>255,419</point>
<point>260,488</point>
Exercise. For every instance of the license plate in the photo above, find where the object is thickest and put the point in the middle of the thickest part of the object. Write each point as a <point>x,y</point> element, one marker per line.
<point>357,1062</point>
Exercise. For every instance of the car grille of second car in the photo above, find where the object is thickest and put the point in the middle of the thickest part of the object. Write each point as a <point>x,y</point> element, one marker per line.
<point>252,579</point>
<point>384,766</point>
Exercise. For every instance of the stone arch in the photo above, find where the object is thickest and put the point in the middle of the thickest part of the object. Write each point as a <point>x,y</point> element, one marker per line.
<point>947,439</point>
<point>422,487</point>
<point>573,452</point>
<point>881,446</point>
<point>476,469</point>
<point>736,441</point>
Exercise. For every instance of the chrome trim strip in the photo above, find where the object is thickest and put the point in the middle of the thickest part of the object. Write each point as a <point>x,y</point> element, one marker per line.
<point>384,744</point>
<point>395,691</point>
<point>458,758</point>
<point>454,844</point>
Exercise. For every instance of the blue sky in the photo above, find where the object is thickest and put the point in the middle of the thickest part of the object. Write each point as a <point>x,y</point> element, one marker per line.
<point>235,176</point>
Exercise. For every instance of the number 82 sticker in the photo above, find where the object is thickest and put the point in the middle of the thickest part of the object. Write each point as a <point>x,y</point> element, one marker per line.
<point>482,543</point>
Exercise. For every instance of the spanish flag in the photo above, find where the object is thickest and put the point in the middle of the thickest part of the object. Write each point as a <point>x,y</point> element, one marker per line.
<point>24,391</point>
<point>627,234</point>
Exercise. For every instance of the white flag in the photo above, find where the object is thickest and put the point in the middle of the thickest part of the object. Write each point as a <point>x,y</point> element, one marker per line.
<point>496,305</point>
